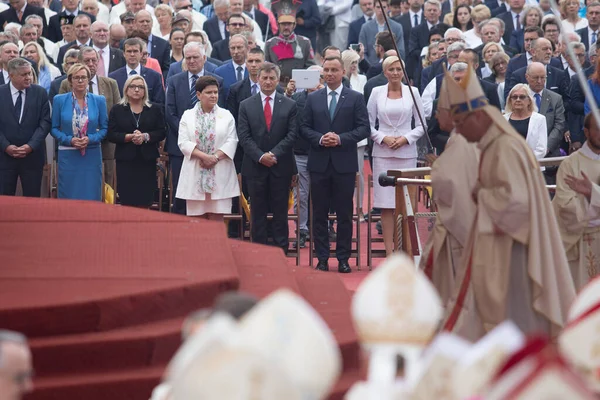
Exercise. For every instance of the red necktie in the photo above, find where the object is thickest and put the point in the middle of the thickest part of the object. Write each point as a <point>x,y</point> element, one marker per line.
<point>268,113</point>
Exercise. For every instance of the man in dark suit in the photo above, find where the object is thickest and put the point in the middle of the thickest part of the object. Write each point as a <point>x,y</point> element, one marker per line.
<point>470,57</point>
<point>110,59</point>
<point>216,27</point>
<point>591,33</point>
<point>71,58</point>
<point>262,19</point>
<point>490,33</point>
<point>512,18</point>
<point>133,56</point>
<point>557,80</point>
<point>419,36</point>
<point>494,5</point>
<point>71,7</point>
<point>235,69</point>
<point>354,29</point>
<point>8,51</point>
<point>24,124</point>
<point>210,65</point>
<point>235,25</point>
<point>412,19</point>
<point>335,120</point>
<point>18,11</point>
<point>83,33</point>
<point>158,48</point>
<point>181,92</point>
<point>267,130</point>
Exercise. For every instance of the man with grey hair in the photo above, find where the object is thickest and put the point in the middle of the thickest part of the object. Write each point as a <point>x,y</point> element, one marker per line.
<point>158,48</point>
<point>24,124</point>
<point>181,96</point>
<point>216,27</point>
<point>71,58</point>
<point>16,369</point>
<point>28,33</point>
<point>268,164</point>
<point>8,51</point>
<point>234,70</point>
<point>419,36</point>
<point>491,33</point>
<point>578,49</point>
<point>50,47</point>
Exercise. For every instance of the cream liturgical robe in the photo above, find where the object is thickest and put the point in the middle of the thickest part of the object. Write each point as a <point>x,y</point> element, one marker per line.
<point>516,267</point>
<point>453,177</point>
<point>578,218</point>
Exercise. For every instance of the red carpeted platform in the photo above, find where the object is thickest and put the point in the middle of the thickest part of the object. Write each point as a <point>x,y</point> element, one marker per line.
<point>102,291</point>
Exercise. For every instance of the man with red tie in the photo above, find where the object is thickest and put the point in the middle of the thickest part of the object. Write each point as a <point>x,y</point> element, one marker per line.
<point>267,131</point>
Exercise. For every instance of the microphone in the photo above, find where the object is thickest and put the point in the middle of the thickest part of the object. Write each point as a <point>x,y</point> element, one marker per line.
<point>386,181</point>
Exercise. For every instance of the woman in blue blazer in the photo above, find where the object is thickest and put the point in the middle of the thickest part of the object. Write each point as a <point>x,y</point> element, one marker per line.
<point>79,123</point>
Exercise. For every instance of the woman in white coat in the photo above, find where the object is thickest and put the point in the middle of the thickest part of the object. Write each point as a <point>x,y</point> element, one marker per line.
<point>395,143</point>
<point>521,114</point>
<point>208,140</point>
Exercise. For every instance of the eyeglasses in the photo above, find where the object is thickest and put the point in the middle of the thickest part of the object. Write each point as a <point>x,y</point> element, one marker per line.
<point>137,87</point>
<point>80,78</point>
<point>519,97</point>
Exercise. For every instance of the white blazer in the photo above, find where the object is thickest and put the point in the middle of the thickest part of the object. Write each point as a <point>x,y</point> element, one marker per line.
<point>386,127</point>
<point>226,140</point>
<point>537,134</point>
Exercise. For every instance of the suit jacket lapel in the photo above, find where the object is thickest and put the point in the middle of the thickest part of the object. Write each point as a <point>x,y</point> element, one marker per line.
<point>8,100</point>
<point>545,103</point>
<point>101,87</point>
<point>340,102</point>
<point>28,101</point>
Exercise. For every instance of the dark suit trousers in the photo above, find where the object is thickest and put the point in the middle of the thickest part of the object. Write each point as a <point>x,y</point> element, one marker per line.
<point>331,188</point>
<point>269,193</point>
<point>179,205</point>
<point>31,177</point>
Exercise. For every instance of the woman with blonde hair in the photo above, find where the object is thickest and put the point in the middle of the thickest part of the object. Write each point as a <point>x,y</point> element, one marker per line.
<point>479,13</point>
<point>164,16</point>
<point>487,53</point>
<point>521,113</point>
<point>46,72</point>
<point>499,64</point>
<point>530,16</point>
<point>395,142</point>
<point>571,21</point>
<point>350,58</point>
<point>79,123</point>
<point>137,128</point>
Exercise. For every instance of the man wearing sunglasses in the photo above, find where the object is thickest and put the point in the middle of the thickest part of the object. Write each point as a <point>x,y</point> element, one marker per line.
<point>16,370</point>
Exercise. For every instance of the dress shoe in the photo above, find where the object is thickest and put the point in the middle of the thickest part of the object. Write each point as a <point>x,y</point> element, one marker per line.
<point>344,267</point>
<point>322,266</point>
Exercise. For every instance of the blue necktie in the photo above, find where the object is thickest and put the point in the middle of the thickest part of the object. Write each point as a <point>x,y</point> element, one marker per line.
<point>416,23</point>
<point>18,106</point>
<point>538,101</point>
<point>254,89</point>
<point>132,72</point>
<point>193,96</point>
<point>594,37</point>
<point>239,73</point>
<point>332,104</point>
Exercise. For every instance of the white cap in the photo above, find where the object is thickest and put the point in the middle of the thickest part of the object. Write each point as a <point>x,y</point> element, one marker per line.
<point>286,330</point>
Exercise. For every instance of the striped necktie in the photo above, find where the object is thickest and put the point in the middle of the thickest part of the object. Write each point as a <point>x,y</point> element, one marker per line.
<point>193,96</point>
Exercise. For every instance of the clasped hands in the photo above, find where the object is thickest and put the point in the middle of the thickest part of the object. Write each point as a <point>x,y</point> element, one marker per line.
<point>330,139</point>
<point>138,137</point>
<point>208,161</point>
<point>80,143</point>
<point>18,151</point>
<point>268,159</point>
<point>394,143</point>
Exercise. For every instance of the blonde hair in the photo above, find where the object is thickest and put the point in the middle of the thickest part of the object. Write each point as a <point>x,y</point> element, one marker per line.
<point>44,62</point>
<point>479,13</point>
<point>163,7</point>
<point>532,107</point>
<point>75,68</point>
<point>389,61</point>
<point>125,99</point>
<point>348,57</point>
<point>488,45</point>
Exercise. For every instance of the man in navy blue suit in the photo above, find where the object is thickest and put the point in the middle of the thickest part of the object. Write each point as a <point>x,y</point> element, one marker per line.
<point>216,27</point>
<point>133,55</point>
<point>71,8</point>
<point>234,70</point>
<point>512,18</point>
<point>24,124</point>
<point>158,48</point>
<point>354,29</point>
<point>419,36</point>
<point>591,33</point>
<point>181,96</point>
<point>335,119</point>
<point>209,65</point>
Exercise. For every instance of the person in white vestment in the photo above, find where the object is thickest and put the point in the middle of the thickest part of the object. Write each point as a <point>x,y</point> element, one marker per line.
<point>395,143</point>
<point>577,206</point>
<point>208,141</point>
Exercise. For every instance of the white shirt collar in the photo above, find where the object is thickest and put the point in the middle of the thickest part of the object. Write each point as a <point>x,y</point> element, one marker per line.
<point>86,44</point>
<point>412,14</point>
<point>23,9</point>
<point>514,15</point>
<point>586,151</point>
<point>74,13</point>
<point>14,91</point>
<point>338,91</point>
<point>235,66</point>
<point>107,48</point>
<point>199,74</point>
<point>263,96</point>
<point>137,69</point>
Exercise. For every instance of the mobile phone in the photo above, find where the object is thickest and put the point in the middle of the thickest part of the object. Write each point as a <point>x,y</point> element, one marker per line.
<point>355,47</point>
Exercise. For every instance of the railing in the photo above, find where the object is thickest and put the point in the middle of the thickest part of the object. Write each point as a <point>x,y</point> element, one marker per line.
<point>405,234</point>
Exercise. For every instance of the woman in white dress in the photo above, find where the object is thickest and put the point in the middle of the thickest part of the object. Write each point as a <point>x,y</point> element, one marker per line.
<point>395,143</point>
<point>208,140</point>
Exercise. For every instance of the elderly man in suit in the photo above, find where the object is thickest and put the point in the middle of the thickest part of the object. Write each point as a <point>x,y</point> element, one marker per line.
<point>368,10</point>
<point>419,36</point>
<point>110,59</point>
<point>268,163</point>
<point>70,8</point>
<point>83,34</point>
<point>181,96</point>
<point>24,124</point>
<point>210,64</point>
<point>591,33</point>
<point>550,105</point>
<point>216,27</point>
<point>512,18</point>
<point>234,70</point>
<point>369,31</point>
<point>133,55</point>
<point>335,120</point>
<point>18,11</point>
<point>8,51</point>
<point>107,88</point>
<point>158,48</point>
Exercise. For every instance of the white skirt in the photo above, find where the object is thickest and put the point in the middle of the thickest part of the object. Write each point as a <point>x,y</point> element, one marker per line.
<point>201,207</point>
<point>385,197</point>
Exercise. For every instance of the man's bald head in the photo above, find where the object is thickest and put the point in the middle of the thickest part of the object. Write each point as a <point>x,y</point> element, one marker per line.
<point>16,368</point>
<point>536,76</point>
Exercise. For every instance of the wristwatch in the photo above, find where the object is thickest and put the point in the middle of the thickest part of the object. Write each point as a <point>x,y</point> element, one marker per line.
<point>146,138</point>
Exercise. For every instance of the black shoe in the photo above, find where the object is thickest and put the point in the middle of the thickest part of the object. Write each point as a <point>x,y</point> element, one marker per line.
<point>375,211</point>
<point>379,228</point>
<point>344,267</point>
<point>322,266</point>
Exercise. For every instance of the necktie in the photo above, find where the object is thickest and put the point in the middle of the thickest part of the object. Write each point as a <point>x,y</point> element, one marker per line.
<point>538,101</point>
<point>594,37</point>
<point>18,106</point>
<point>133,72</point>
<point>91,88</point>
<point>20,15</point>
<point>100,70</point>
<point>254,89</point>
<point>268,112</point>
<point>240,76</point>
<point>193,97</point>
<point>416,22</point>
<point>332,104</point>
<point>517,23</point>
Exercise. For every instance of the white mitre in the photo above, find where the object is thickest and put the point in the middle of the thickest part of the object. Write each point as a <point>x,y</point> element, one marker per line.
<point>537,372</point>
<point>233,373</point>
<point>435,370</point>
<point>287,331</point>
<point>479,365</point>
<point>580,339</point>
